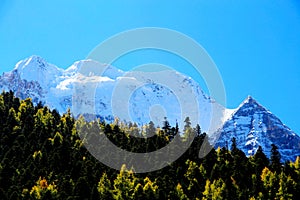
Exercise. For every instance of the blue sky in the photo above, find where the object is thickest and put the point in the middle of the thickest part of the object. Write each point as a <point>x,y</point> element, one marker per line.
<point>255,44</point>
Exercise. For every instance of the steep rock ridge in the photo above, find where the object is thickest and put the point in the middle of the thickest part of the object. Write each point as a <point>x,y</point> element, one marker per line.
<point>253,125</point>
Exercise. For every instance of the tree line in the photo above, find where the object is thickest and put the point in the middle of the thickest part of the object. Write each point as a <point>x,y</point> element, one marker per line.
<point>43,157</point>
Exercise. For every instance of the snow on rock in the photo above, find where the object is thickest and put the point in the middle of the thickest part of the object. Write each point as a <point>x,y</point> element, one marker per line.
<point>91,88</point>
<point>36,68</point>
<point>253,125</point>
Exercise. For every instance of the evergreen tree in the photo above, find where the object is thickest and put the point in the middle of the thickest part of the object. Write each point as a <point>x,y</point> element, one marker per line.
<point>194,179</point>
<point>187,124</point>
<point>270,182</point>
<point>215,190</point>
<point>180,193</point>
<point>233,145</point>
<point>260,160</point>
<point>150,129</point>
<point>104,187</point>
<point>166,126</point>
<point>286,188</point>
<point>150,189</point>
<point>296,167</point>
<point>138,192</point>
<point>124,185</point>
<point>275,159</point>
<point>197,130</point>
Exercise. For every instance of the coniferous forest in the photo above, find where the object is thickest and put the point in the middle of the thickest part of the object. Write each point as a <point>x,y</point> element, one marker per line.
<point>42,157</point>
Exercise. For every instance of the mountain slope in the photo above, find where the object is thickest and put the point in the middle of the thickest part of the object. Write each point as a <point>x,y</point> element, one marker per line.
<point>131,96</point>
<point>253,125</point>
<point>89,87</point>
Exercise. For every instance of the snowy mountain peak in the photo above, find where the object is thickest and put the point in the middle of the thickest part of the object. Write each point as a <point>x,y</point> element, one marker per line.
<point>36,68</point>
<point>35,62</point>
<point>249,99</point>
<point>248,107</point>
<point>251,124</point>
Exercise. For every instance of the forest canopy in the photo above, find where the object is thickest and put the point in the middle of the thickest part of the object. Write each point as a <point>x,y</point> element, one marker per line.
<point>42,157</point>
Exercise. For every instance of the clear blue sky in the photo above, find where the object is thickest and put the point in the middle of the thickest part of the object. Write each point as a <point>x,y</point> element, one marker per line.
<point>255,44</point>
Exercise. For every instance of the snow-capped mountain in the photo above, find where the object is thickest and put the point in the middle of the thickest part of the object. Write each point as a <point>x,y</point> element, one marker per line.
<point>253,125</point>
<point>90,88</point>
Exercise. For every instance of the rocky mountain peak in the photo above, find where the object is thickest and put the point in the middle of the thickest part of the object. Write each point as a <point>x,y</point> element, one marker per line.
<point>251,123</point>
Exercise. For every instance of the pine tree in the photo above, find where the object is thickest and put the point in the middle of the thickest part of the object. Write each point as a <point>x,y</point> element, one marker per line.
<point>104,187</point>
<point>188,134</point>
<point>166,126</point>
<point>270,182</point>
<point>138,192</point>
<point>194,179</point>
<point>275,159</point>
<point>150,129</point>
<point>260,160</point>
<point>124,185</point>
<point>150,189</point>
<point>187,124</point>
<point>197,130</point>
<point>215,190</point>
<point>180,193</point>
<point>233,145</point>
<point>296,167</point>
<point>286,188</point>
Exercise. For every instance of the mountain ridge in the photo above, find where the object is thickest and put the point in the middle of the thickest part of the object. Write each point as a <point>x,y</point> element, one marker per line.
<point>250,122</point>
<point>253,125</point>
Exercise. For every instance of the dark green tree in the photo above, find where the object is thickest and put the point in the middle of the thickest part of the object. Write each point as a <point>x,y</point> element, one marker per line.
<point>275,159</point>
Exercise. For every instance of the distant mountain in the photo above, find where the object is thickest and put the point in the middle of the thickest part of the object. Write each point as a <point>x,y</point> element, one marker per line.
<point>250,123</point>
